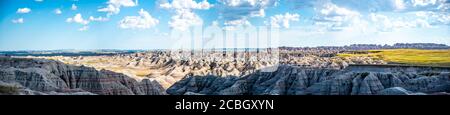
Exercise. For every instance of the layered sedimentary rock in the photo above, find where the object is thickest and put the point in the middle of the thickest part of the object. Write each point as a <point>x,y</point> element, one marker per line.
<point>53,77</point>
<point>290,80</point>
<point>168,67</point>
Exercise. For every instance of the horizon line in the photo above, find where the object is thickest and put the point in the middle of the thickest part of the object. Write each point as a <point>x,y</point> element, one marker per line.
<point>146,49</point>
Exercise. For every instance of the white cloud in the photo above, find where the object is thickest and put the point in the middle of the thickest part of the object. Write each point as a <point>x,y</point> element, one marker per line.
<point>422,14</point>
<point>335,18</point>
<point>237,12</point>
<point>422,23</point>
<point>184,19</point>
<point>215,23</point>
<point>17,21</point>
<point>252,8</point>
<point>377,15</point>
<point>386,24</point>
<point>442,18</point>
<point>115,5</point>
<point>77,19</point>
<point>39,0</point>
<point>331,12</point>
<point>233,24</point>
<point>283,20</point>
<point>434,18</point>
<point>186,4</point>
<point>23,10</point>
<point>84,28</point>
<point>399,4</point>
<point>338,15</point>
<point>101,19</point>
<point>374,6</point>
<point>423,2</point>
<point>238,22</point>
<point>125,3</point>
<point>58,11</point>
<point>253,3</point>
<point>184,16</point>
<point>111,9</point>
<point>74,7</point>
<point>143,21</point>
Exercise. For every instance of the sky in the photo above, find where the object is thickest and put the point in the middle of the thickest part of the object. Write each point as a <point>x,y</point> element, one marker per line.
<point>150,24</point>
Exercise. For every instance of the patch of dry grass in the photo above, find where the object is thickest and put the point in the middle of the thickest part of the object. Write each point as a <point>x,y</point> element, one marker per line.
<point>407,56</point>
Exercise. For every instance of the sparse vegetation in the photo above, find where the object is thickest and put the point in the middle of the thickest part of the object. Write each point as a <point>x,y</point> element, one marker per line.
<point>406,56</point>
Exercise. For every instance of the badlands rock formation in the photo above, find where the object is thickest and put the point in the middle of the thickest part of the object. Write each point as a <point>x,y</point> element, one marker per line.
<point>167,67</point>
<point>288,72</point>
<point>354,80</point>
<point>40,76</point>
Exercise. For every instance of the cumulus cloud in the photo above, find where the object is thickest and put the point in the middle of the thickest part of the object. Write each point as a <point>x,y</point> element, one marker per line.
<point>184,19</point>
<point>399,5</point>
<point>334,17</point>
<point>421,5</point>
<point>281,20</point>
<point>57,11</point>
<point>143,21</point>
<point>333,13</point>
<point>23,10</point>
<point>235,11</point>
<point>434,18</point>
<point>115,5</point>
<point>74,7</point>
<point>339,14</point>
<point>373,6</point>
<point>17,21</point>
<point>77,19</point>
<point>184,16</point>
<point>382,22</point>
<point>386,24</point>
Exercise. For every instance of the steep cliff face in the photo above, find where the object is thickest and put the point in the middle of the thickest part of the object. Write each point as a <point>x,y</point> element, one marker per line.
<point>286,80</point>
<point>371,83</point>
<point>48,76</point>
<point>289,80</point>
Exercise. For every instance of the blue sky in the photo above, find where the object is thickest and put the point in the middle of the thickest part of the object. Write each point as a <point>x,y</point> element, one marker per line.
<point>147,24</point>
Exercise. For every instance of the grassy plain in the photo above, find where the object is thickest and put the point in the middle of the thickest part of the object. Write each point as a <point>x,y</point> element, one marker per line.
<point>406,56</point>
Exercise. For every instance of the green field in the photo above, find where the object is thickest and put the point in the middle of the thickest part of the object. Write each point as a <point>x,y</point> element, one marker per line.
<point>406,56</point>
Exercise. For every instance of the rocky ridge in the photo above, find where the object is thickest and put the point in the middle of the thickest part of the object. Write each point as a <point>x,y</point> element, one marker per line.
<point>291,80</point>
<point>40,76</point>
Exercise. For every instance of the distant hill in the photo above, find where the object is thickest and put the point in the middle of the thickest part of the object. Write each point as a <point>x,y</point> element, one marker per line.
<point>99,52</point>
<point>68,52</point>
<point>375,46</point>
